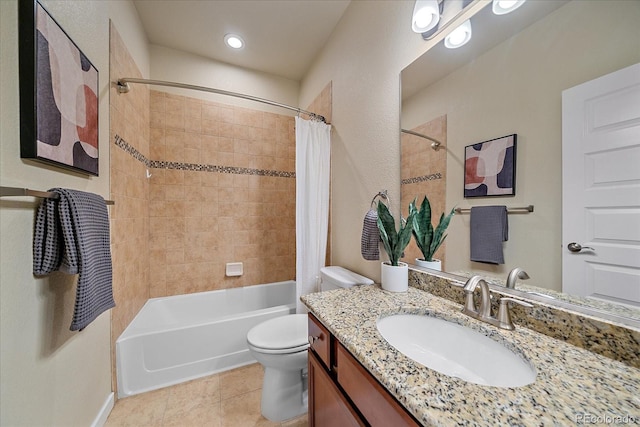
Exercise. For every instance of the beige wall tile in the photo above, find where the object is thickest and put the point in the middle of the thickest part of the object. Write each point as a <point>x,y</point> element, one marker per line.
<point>130,119</point>
<point>198,220</point>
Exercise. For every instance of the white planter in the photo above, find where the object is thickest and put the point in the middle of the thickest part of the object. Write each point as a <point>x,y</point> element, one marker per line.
<point>395,279</point>
<point>436,264</point>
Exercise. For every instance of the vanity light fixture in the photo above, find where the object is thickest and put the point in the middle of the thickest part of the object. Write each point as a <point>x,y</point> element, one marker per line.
<point>426,15</point>
<point>460,36</point>
<point>502,7</point>
<point>234,41</point>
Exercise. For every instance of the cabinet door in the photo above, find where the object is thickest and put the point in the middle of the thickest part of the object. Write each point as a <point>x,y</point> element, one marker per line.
<point>327,405</point>
<point>319,340</point>
<point>372,400</point>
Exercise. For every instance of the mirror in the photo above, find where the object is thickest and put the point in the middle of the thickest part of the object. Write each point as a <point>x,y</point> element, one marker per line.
<point>509,80</point>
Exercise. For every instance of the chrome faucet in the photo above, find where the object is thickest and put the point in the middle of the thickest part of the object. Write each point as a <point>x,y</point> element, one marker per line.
<point>483,313</point>
<point>516,273</point>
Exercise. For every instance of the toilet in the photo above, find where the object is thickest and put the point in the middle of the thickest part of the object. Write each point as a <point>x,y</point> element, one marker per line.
<point>280,345</point>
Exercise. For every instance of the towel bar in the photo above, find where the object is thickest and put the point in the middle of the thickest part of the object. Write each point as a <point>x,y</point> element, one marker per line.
<point>15,191</point>
<point>523,209</point>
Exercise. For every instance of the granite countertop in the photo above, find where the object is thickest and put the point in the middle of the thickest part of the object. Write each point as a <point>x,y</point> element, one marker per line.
<point>572,384</point>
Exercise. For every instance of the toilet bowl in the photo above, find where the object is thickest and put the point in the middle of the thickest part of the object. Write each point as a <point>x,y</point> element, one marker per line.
<point>280,346</point>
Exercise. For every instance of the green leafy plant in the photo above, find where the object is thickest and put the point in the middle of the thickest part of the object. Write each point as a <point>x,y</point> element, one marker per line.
<point>428,239</point>
<point>394,242</point>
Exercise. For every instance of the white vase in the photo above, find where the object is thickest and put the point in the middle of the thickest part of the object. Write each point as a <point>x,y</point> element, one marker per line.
<point>436,264</point>
<point>395,279</point>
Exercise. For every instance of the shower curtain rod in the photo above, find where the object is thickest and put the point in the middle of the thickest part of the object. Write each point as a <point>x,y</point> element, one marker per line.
<point>123,87</point>
<point>435,144</point>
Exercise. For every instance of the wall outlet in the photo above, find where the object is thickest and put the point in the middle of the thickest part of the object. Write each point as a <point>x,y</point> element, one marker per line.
<point>234,269</point>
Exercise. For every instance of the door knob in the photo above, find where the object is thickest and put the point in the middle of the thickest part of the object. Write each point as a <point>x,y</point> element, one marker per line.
<point>577,247</point>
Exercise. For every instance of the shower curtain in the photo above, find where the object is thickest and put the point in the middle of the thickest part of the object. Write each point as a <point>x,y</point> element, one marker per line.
<point>313,148</point>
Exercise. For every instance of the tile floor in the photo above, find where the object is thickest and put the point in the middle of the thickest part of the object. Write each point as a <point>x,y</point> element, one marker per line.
<point>228,399</point>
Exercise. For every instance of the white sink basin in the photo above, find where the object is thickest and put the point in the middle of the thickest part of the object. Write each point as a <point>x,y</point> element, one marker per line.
<point>455,350</point>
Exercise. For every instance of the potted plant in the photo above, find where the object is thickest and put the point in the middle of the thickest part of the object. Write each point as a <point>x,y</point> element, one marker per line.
<point>428,239</point>
<point>395,274</point>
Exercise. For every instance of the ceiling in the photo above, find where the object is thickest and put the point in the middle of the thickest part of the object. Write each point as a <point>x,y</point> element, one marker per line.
<point>282,37</point>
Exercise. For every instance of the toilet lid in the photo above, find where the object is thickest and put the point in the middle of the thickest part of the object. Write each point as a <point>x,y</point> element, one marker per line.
<point>280,332</point>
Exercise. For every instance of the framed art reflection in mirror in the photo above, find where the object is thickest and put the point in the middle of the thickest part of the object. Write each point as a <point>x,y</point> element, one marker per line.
<point>490,168</point>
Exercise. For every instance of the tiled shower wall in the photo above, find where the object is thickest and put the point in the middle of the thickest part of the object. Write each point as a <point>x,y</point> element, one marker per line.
<point>130,189</point>
<point>222,190</point>
<point>423,172</point>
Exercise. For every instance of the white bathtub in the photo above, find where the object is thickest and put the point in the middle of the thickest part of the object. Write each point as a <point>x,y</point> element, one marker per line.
<point>179,338</point>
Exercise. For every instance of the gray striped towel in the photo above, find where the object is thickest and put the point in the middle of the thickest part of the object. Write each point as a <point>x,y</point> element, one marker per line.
<point>489,228</point>
<point>72,235</point>
<point>370,236</point>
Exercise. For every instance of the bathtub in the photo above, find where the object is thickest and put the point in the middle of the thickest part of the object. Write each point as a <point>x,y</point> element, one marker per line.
<point>179,338</point>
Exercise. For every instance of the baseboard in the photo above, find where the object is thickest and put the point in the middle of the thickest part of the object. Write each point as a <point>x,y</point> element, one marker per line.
<point>102,416</point>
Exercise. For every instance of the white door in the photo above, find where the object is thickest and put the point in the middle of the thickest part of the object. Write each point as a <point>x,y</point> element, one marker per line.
<point>601,188</point>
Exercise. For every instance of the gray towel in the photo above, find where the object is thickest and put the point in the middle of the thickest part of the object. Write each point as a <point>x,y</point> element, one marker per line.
<point>72,235</point>
<point>489,228</point>
<point>370,236</point>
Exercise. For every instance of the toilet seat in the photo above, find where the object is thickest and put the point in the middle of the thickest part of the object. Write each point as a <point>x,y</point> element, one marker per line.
<point>284,334</point>
<point>280,350</point>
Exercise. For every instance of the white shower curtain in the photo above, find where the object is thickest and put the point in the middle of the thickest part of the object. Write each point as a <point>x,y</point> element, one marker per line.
<point>313,149</point>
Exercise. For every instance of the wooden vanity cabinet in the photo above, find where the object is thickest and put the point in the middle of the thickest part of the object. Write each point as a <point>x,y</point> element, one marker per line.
<point>342,392</point>
<point>327,404</point>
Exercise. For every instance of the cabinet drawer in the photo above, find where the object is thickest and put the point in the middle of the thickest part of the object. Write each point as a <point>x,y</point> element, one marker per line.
<point>319,340</point>
<point>373,401</point>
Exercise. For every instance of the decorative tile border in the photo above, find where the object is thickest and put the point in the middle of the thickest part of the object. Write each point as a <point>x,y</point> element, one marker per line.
<point>132,150</point>
<point>422,178</point>
<point>159,164</point>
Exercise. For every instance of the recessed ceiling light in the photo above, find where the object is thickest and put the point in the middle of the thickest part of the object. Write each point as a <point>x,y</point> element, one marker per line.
<point>234,41</point>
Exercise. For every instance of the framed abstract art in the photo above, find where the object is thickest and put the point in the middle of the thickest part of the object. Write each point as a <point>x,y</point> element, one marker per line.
<point>490,168</point>
<point>58,94</point>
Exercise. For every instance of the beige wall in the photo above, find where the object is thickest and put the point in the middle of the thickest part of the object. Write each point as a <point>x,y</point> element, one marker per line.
<point>363,58</point>
<point>176,66</point>
<point>50,376</point>
<point>125,17</point>
<point>516,88</point>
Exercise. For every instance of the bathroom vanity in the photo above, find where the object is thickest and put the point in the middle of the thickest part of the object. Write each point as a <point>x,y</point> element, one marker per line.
<point>342,392</point>
<point>357,378</point>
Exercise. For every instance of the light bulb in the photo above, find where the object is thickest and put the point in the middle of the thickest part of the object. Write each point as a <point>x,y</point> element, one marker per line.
<point>502,7</point>
<point>506,4</point>
<point>423,18</point>
<point>460,36</point>
<point>426,14</point>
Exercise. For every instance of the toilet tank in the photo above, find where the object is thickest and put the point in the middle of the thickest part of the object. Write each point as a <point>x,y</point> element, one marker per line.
<point>335,277</point>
